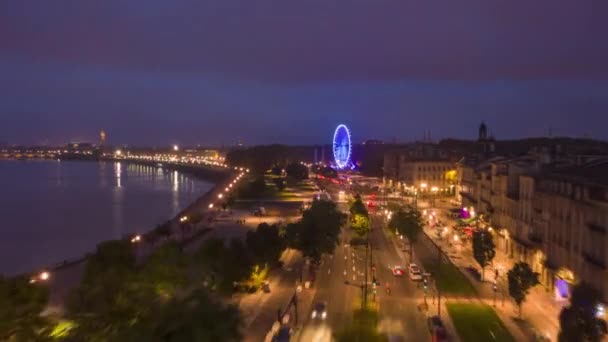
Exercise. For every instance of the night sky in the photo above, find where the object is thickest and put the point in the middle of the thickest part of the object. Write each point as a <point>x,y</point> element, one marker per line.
<point>265,71</point>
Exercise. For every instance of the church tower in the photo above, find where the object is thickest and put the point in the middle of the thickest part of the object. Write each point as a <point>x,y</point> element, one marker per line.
<point>483,132</point>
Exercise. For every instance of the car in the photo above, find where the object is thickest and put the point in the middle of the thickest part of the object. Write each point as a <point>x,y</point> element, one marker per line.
<point>398,271</point>
<point>319,311</point>
<point>414,272</point>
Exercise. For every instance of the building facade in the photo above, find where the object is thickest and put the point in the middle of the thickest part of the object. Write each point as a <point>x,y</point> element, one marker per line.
<point>549,212</point>
<point>422,167</point>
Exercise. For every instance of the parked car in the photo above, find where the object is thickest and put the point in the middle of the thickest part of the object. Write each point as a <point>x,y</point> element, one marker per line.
<point>414,272</point>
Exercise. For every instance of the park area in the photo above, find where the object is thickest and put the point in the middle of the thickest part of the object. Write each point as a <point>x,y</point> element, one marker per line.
<point>477,322</point>
<point>449,279</point>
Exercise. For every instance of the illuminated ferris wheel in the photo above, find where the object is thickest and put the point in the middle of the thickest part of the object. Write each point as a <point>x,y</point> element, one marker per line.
<point>342,147</point>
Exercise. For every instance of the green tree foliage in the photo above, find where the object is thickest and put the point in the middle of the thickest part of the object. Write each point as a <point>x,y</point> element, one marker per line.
<point>221,265</point>
<point>165,270</point>
<point>317,231</point>
<point>359,217</point>
<point>578,321</point>
<point>21,304</point>
<point>266,244</point>
<point>360,224</point>
<point>197,318</point>
<point>358,207</point>
<point>483,249</point>
<point>407,223</point>
<point>297,171</point>
<point>521,280</point>
<point>110,297</point>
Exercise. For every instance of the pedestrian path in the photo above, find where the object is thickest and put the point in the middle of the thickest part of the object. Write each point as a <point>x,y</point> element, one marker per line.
<point>539,313</point>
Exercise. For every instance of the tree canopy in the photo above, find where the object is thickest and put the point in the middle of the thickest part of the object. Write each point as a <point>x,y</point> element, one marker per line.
<point>119,300</point>
<point>266,244</point>
<point>578,321</point>
<point>483,249</point>
<point>407,223</point>
<point>521,280</point>
<point>21,303</point>
<point>317,231</point>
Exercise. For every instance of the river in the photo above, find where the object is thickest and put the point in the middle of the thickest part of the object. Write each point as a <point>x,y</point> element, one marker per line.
<point>51,211</point>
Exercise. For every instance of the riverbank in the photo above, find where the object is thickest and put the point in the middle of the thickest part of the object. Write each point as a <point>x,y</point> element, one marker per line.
<point>66,276</point>
<point>55,212</point>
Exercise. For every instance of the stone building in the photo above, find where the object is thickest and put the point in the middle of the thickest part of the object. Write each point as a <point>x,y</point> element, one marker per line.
<point>549,211</point>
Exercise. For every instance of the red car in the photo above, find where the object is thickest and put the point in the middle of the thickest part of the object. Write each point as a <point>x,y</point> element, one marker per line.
<point>398,271</point>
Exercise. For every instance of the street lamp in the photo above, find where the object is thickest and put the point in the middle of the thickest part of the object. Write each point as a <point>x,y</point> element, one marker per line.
<point>175,148</point>
<point>136,239</point>
<point>220,196</point>
<point>210,205</point>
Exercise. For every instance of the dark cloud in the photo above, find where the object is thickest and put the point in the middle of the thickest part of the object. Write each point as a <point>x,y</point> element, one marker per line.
<point>261,71</point>
<point>319,39</point>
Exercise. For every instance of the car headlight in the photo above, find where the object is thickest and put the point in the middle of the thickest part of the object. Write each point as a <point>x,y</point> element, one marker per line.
<point>324,315</point>
<point>314,314</point>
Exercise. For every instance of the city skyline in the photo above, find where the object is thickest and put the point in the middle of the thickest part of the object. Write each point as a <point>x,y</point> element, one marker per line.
<point>216,73</point>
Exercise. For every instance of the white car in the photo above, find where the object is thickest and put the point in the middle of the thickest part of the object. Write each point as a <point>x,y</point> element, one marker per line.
<point>414,272</point>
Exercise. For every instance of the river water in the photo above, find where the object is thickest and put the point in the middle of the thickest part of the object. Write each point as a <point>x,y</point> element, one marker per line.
<point>51,211</point>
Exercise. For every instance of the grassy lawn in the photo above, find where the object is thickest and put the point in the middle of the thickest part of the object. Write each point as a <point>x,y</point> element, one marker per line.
<point>449,279</point>
<point>477,322</point>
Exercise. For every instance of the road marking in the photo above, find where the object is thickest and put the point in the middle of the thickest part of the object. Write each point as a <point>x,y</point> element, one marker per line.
<point>345,272</point>
<point>328,270</point>
<point>353,268</point>
<point>354,277</point>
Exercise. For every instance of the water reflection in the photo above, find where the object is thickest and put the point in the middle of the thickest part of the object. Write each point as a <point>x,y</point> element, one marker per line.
<point>118,172</point>
<point>56,211</point>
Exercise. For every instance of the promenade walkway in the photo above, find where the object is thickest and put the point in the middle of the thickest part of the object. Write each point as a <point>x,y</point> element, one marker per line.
<point>540,312</point>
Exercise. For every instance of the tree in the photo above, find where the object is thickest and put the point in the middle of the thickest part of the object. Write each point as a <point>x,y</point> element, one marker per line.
<point>266,244</point>
<point>220,265</point>
<point>110,296</point>
<point>358,207</point>
<point>360,224</point>
<point>317,231</point>
<point>521,280</point>
<point>483,249</point>
<point>297,171</point>
<point>198,318</point>
<point>407,223</point>
<point>165,270</point>
<point>21,305</point>
<point>578,321</point>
